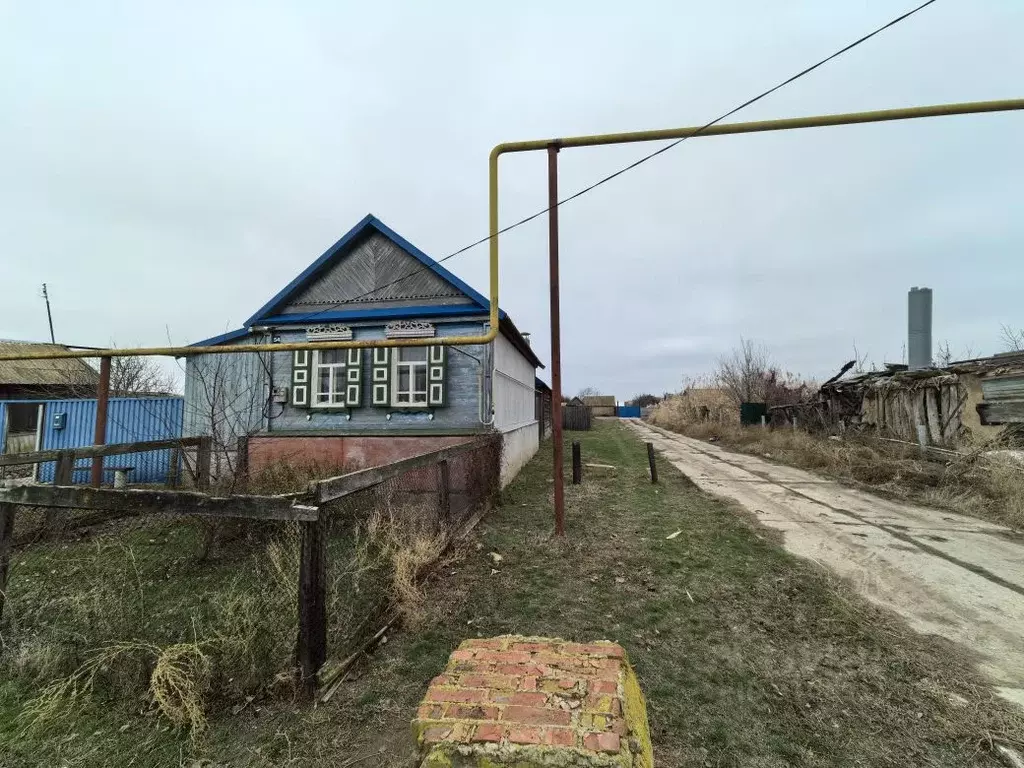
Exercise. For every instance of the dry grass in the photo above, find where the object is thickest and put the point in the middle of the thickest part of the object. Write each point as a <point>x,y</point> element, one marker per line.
<point>395,534</point>
<point>979,485</point>
<point>96,624</point>
<point>178,683</point>
<point>747,655</point>
<point>695,405</point>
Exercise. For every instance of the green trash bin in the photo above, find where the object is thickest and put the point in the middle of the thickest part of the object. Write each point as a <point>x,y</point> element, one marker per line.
<point>751,413</point>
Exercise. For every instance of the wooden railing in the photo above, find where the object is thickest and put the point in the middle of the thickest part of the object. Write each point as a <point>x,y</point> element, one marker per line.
<point>65,458</point>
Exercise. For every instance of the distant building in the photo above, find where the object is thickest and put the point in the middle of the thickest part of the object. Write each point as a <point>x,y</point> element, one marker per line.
<point>39,379</point>
<point>600,405</point>
<point>25,381</point>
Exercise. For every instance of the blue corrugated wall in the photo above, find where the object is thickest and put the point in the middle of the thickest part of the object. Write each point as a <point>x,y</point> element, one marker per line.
<point>129,420</point>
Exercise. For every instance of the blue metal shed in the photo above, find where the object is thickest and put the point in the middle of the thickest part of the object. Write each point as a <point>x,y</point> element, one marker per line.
<point>70,424</point>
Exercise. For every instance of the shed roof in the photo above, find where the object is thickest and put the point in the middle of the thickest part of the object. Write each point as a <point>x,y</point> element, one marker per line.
<point>599,400</point>
<point>46,373</point>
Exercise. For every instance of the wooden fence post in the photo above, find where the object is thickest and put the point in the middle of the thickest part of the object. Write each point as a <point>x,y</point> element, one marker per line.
<point>63,471</point>
<point>312,645</point>
<point>203,457</point>
<point>650,460</point>
<point>577,463</point>
<point>174,468</point>
<point>6,540</point>
<point>445,491</point>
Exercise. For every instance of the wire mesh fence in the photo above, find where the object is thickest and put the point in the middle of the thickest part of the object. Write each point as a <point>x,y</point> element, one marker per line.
<point>185,615</point>
<point>381,540</point>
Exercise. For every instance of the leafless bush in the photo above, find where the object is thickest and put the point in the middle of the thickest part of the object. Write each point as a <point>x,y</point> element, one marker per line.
<point>748,375</point>
<point>1013,338</point>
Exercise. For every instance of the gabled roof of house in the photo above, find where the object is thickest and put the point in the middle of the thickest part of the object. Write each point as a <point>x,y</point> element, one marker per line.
<point>269,313</point>
<point>57,372</point>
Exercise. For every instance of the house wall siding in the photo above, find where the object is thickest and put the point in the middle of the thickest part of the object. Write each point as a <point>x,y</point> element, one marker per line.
<point>515,407</point>
<point>518,446</point>
<point>463,382</point>
<point>225,395</point>
<point>514,387</point>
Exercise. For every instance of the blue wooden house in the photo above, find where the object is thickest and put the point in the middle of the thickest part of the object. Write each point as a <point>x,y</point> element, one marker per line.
<point>353,408</point>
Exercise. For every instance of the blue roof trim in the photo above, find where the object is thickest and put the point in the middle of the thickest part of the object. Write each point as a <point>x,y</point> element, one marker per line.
<point>215,340</point>
<point>368,222</point>
<point>385,313</point>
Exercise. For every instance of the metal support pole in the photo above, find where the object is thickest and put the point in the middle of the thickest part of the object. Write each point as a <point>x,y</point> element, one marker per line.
<point>577,463</point>
<point>556,342</point>
<point>99,437</point>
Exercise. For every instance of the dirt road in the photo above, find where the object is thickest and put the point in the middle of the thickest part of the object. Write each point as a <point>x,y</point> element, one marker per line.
<point>949,575</point>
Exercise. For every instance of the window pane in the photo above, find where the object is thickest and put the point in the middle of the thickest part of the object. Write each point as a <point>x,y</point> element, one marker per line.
<point>403,379</point>
<point>329,356</point>
<point>325,380</point>
<point>421,378</point>
<point>338,397</point>
<point>403,397</point>
<point>412,354</point>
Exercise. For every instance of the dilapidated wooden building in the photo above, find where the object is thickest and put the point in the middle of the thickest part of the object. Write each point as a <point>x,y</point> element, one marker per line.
<point>969,401</point>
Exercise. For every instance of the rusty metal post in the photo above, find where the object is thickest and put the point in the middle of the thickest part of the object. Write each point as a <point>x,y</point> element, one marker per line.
<point>99,437</point>
<point>556,342</point>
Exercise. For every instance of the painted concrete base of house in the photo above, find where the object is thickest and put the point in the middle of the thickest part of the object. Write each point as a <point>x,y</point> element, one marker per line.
<point>518,447</point>
<point>346,453</point>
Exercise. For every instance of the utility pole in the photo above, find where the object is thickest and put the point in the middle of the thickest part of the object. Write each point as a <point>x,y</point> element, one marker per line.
<point>49,315</point>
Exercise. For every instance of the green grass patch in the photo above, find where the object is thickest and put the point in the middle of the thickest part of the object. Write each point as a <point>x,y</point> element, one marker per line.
<point>748,656</point>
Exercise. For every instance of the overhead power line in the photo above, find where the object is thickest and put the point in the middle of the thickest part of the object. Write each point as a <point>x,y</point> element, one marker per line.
<point>636,163</point>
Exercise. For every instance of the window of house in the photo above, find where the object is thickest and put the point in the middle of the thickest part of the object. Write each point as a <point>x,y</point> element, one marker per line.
<point>329,380</point>
<point>409,376</point>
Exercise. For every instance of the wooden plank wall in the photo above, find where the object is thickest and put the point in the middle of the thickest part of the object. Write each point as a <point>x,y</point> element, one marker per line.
<point>896,411</point>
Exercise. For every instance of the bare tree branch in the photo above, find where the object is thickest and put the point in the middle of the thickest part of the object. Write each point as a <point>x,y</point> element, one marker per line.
<point>1012,338</point>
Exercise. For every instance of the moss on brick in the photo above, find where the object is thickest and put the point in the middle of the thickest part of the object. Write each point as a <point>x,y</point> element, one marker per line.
<point>635,706</point>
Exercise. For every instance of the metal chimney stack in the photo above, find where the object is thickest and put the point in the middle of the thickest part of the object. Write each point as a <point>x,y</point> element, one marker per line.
<point>919,328</point>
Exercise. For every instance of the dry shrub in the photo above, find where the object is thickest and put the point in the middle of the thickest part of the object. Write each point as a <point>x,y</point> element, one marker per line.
<point>397,534</point>
<point>178,683</point>
<point>693,406</point>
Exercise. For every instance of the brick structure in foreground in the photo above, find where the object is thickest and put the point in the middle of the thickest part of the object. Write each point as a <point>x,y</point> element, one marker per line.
<point>532,703</point>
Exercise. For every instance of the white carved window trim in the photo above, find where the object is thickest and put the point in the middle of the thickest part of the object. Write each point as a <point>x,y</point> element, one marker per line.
<point>337,383</point>
<point>332,332</point>
<point>409,329</point>
<point>417,398</point>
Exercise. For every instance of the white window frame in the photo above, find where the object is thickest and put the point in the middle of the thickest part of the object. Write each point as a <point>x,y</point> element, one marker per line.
<point>423,398</point>
<point>338,383</point>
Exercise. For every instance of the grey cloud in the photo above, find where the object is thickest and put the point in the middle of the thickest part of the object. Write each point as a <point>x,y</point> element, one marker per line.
<point>171,167</point>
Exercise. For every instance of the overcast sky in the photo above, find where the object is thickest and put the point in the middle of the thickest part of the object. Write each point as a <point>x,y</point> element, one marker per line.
<point>167,167</point>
